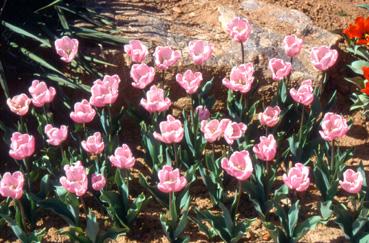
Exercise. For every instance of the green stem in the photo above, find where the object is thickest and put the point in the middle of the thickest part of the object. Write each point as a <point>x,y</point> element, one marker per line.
<point>267,171</point>
<point>84,130</point>
<point>23,124</point>
<point>238,197</point>
<point>332,157</point>
<point>18,203</point>
<point>45,113</point>
<point>242,107</point>
<point>175,155</point>
<point>301,124</point>
<point>243,53</point>
<point>96,160</point>
<point>322,83</point>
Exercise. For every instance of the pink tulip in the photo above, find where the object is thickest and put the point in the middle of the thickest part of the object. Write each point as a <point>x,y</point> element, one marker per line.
<point>212,130</point>
<point>270,116</point>
<point>233,130</point>
<point>155,100</point>
<point>292,45</point>
<point>189,80</point>
<point>239,165</point>
<point>266,149</point>
<point>200,51</point>
<point>202,112</point>
<point>11,185</point>
<point>122,158</point>
<point>142,75</point>
<point>280,69</point>
<point>56,135</point>
<point>22,146</point>
<point>166,57</point>
<point>323,57</point>
<point>98,182</point>
<point>304,94</point>
<point>75,180</point>
<point>171,131</point>
<point>239,29</point>
<point>136,50</point>
<point>297,178</point>
<point>83,112</point>
<point>19,104</point>
<point>66,48</point>
<point>94,144</point>
<point>105,92</point>
<point>41,94</point>
<point>334,126</point>
<point>241,78</point>
<point>352,181</point>
<point>170,180</point>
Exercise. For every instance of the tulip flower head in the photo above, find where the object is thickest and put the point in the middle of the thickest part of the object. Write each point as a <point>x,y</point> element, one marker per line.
<point>279,68</point>
<point>292,45</point>
<point>41,94</point>
<point>66,48</point>
<point>155,100</point>
<point>83,112</point>
<point>22,146</point>
<point>352,181</point>
<point>189,81</point>
<point>239,29</point>
<point>170,180</point>
<point>136,51</point>
<point>297,178</point>
<point>270,116</point>
<point>56,135</point>
<point>304,94</point>
<point>142,75</point>
<point>239,165</point>
<point>93,144</point>
<point>105,92</point>
<point>122,158</point>
<point>165,57</point>
<point>19,104</point>
<point>171,131</point>
<point>323,57</point>
<point>241,78</point>
<point>75,180</point>
<point>11,185</point>
<point>200,51</point>
<point>333,126</point>
<point>232,131</point>
<point>202,112</point>
<point>266,149</point>
<point>212,130</point>
<point>98,181</point>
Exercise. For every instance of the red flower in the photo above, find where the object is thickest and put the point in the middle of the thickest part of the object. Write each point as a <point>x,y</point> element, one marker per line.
<point>366,76</point>
<point>366,72</point>
<point>359,30</point>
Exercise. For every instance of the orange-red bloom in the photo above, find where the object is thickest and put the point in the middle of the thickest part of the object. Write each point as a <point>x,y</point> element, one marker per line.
<point>359,31</point>
<point>366,76</point>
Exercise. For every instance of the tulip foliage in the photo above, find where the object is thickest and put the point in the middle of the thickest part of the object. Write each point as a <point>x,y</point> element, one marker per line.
<point>264,155</point>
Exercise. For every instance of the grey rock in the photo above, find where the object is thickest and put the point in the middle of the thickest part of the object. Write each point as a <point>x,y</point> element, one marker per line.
<point>270,24</point>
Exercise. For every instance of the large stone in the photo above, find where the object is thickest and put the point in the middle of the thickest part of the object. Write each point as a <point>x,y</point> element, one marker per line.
<point>203,19</point>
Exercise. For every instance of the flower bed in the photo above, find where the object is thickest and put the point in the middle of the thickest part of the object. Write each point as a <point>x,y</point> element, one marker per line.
<point>268,155</point>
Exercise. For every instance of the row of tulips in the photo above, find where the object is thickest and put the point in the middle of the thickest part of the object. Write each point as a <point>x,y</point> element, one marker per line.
<point>199,145</point>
